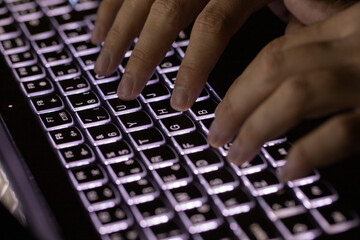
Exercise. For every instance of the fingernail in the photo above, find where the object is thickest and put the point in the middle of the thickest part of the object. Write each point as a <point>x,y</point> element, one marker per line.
<point>102,63</point>
<point>179,99</point>
<point>126,86</point>
<point>97,34</point>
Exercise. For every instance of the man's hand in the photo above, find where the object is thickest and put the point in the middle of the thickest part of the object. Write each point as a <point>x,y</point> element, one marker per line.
<point>159,22</point>
<point>312,72</point>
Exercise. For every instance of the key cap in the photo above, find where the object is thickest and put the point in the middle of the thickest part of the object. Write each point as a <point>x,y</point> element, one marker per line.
<point>277,153</point>
<point>186,197</point>
<point>162,156</point>
<point>22,59</point>
<point>143,190</point>
<point>20,4</point>
<point>96,79</point>
<point>9,31</point>
<point>335,218</point>
<point>190,142</point>
<point>87,177</point>
<point>64,71</point>
<point>28,14</point>
<point>66,137</point>
<point>84,48</point>
<point>253,166</point>
<point>203,109</point>
<point>56,120</point>
<point>120,107</point>
<point>205,124</point>
<point>147,138</point>
<point>169,64</point>
<point>135,121</point>
<point>47,103</point>
<point>281,204</point>
<point>14,45</point>
<point>127,171</point>
<point>173,176</point>
<point>29,73</point>
<point>154,92</point>
<point>233,202</point>
<point>83,100</point>
<point>100,198</point>
<point>300,226</point>
<point>162,109</point>
<point>50,44</point>
<point>316,195</point>
<point>57,7</point>
<point>87,61</point>
<point>71,35</point>
<point>222,180</point>
<point>104,134</point>
<point>108,90</point>
<point>37,87</point>
<point>204,161</point>
<point>177,125</point>
<point>58,57</point>
<point>68,20</point>
<point>310,178</point>
<point>86,4</point>
<point>262,183</point>
<point>168,230</point>
<point>152,213</point>
<point>37,29</point>
<point>74,85</point>
<point>182,39</point>
<point>93,117</point>
<point>170,78</point>
<point>76,156</point>
<point>112,220</point>
<point>115,152</point>
<point>6,18</point>
<point>201,219</point>
<point>223,233</point>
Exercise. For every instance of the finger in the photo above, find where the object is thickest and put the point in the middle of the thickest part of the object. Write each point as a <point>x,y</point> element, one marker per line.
<point>317,94</point>
<point>211,33</point>
<point>253,87</point>
<point>336,139</point>
<point>127,25</point>
<point>104,18</point>
<point>165,20</point>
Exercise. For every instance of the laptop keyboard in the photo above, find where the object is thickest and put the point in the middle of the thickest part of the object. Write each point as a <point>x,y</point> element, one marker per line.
<point>143,170</point>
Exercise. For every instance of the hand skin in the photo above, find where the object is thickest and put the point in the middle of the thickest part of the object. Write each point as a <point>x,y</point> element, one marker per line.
<point>158,22</point>
<point>312,72</point>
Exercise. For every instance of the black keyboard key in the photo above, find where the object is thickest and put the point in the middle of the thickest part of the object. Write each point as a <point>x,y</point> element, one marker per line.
<point>316,195</point>
<point>57,57</point>
<point>96,79</point>
<point>50,44</point>
<point>253,166</point>
<point>201,219</point>
<point>66,137</point>
<point>37,87</point>
<point>262,183</point>
<point>120,107</point>
<point>173,176</point>
<point>87,61</point>
<point>177,125</point>
<point>108,90</point>
<point>93,117</point>
<point>28,13</point>
<point>127,171</point>
<point>6,18</point>
<point>277,153</point>
<point>115,152</point>
<point>77,156</point>
<point>282,204</point>
<point>68,20</point>
<point>113,220</point>
<point>100,198</point>
<point>29,73</point>
<point>300,226</point>
<point>38,29</point>
<point>104,134</point>
<point>152,213</point>
<point>8,31</point>
<point>190,142</point>
<point>64,71</point>
<point>168,230</point>
<point>74,85</point>
<point>234,202</point>
<point>143,190</point>
<point>155,92</point>
<point>169,64</point>
<point>206,123</point>
<point>162,109</point>
<point>223,233</point>
<point>56,120</point>
<point>128,234</point>
<point>84,48</point>
<point>47,103</point>
<point>14,45</point>
<point>162,156</point>
<point>53,8</point>
<point>21,59</point>
<point>135,121</point>
<point>204,161</point>
<point>83,100</point>
<point>87,177</point>
<point>219,181</point>
<point>147,138</point>
<point>186,197</point>
<point>204,109</point>
<point>78,34</point>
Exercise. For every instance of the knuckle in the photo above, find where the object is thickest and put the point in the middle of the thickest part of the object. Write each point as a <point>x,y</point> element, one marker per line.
<point>272,62</point>
<point>212,20</point>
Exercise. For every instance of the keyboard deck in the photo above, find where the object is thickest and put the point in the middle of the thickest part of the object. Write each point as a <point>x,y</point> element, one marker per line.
<point>142,169</point>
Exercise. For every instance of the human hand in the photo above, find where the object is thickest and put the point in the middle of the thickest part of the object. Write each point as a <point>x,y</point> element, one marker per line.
<point>159,22</point>
<point>312,72</point>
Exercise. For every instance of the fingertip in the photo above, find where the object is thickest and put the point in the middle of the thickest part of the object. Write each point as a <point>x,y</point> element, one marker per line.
<point>97,35</point>
<point>102,63</point>
<point>180,99</point>
<point>126,88</point>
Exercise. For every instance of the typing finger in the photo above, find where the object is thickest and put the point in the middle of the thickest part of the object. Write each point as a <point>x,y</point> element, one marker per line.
<point>127,25</point>
<point>165,20</point>
<point>105,16</point>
